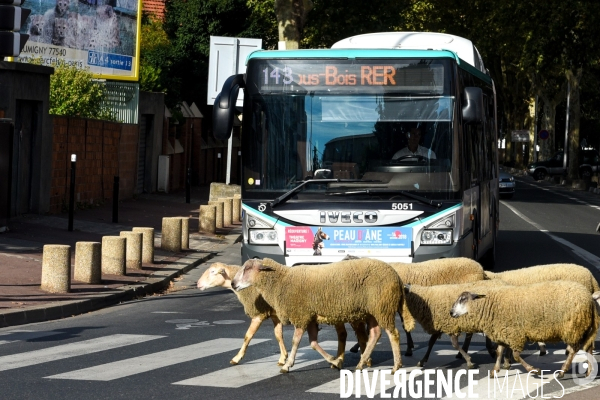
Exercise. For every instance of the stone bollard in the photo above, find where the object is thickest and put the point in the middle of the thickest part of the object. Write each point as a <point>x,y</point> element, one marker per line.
<point>113,255</point>
<point>185,232</point>
<point>56,268</point>
<point>88,262</point>
<point>133,249</point>
<point>219,217</point>
<point>239,196</point>
<point>171,234</point>
<point>207,219</point>
<point>227,205</point>
<point>236,215</point>
<point>147,244</point>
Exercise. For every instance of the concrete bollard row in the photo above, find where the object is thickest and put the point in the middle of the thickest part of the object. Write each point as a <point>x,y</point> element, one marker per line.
<point>133,249</point>
<point>147,244</point>
<point>88,262</point>
<point>113,255</point>
<point>56,268</point>
<point>185,232</point>
<point>219,215</point>
<point>227,212</point>
<point>208,219</point>
<point>171,234</point>
<point>239,196</point>
<point>236,209</point>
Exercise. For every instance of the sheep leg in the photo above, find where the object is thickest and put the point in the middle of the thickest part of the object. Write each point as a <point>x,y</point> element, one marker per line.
<point>496,369</point>
<point>313,333</point>
<point>490,347</point>
<point>466,344</point>
<point>342,336</point>
<point>298,332</point>
<point>374,335</point>
<point>454,340</point>
<point>394,337</point>
<point>432,341</point>
<point>254,325</point>
<point>528,368</point>
<point>362,336</point>
<point>278,330</point>
<point>567,364</point>
<point>360,329</point>
<point>409,343</point>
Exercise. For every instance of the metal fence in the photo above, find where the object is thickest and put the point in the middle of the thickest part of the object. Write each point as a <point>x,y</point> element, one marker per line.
<point>123,99</point>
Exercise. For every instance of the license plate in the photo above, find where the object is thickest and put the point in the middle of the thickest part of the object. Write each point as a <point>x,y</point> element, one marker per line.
<point>503,185</point>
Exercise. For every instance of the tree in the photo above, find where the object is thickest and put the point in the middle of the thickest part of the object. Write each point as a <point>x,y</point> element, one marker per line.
<point>155,59</point>
<point>75,92</point>
<point>291,17</point>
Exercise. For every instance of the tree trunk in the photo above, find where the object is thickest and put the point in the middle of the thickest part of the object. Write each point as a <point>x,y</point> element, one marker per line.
<point>574,78</point>
<point>291,16</point>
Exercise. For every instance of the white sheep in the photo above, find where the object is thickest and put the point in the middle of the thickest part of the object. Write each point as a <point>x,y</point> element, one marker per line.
<point>430,305</point>
<point>347,291</point>
<point>513,315</point>
<point>219,274</point>
<point>545,273</point>
<point>438,272</point>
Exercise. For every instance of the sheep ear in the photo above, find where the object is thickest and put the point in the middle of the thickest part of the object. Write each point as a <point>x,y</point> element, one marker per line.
<point>407,288</point>
<point>265,268</point>
<point>221,271</point>
<point>475,296</point>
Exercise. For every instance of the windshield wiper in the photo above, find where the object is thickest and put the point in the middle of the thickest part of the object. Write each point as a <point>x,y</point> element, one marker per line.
<point>284,197</point>
<point>391,191</point>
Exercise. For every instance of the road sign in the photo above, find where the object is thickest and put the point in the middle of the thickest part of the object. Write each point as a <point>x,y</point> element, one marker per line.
<point>228,57</point>
<point>12,18</point>
<point>543,134</point>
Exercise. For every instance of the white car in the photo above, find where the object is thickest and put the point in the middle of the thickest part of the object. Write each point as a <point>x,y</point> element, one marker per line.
<point>507,185</point>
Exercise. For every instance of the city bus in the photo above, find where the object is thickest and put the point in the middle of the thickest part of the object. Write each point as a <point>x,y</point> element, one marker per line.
<point>328,167</point>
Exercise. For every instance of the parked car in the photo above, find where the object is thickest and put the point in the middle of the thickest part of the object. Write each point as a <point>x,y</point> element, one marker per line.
<point>507,185</point>
<point>541,169</point>
<point>588,164</point>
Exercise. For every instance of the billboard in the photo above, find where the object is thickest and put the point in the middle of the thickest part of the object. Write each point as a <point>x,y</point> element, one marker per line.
<point>102,35</point>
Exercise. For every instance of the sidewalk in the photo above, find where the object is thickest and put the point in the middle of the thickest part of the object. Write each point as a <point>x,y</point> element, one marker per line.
<point>21,299</point>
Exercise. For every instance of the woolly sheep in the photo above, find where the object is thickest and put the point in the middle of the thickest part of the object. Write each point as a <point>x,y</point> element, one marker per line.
<point>545,273</point>
<point>346,291</point>
<point>430,305</point>
<point>513,315</point>
<point>219,274</point>
<point>437,272</point>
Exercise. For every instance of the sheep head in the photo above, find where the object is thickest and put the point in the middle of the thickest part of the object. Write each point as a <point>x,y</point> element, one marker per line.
<point>461,305</point>
<point>246,276</point>
<point>215,275</point>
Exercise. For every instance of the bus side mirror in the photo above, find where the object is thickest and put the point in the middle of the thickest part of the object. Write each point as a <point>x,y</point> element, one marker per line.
<point>473,105</point>
<point>224,107</point>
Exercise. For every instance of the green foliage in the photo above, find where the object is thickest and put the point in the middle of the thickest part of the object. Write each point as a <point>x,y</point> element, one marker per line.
<point>74,92</point>
<point>154,56</point>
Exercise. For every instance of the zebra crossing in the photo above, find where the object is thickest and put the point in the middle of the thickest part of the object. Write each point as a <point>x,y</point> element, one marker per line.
<point>248,372</point>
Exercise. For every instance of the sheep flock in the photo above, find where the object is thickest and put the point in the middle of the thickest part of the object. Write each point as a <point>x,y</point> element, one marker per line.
<point>547,303</point>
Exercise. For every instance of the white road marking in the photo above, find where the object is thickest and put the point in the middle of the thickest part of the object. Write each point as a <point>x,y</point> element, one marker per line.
<point>257,370</point>
<point>149,362</point>
<point>24,335</point>
<point>71,350</point>
<point>584,254</point>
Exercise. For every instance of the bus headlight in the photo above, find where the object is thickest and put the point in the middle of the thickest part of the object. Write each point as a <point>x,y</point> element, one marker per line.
<point>436,237</point>
<point>262,236</point>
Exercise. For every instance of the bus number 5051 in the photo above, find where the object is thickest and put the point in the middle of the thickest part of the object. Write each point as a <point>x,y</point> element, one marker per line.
<point>402,206</point>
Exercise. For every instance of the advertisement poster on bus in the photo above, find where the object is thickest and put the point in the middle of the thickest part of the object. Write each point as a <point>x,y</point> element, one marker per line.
<point>317,241</point>
<point>99,35</point>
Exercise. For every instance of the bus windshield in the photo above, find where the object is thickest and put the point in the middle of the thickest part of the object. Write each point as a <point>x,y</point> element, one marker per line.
<point>384,139</point>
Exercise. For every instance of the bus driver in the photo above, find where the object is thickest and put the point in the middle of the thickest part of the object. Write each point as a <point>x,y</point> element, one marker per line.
<point>413,148</point>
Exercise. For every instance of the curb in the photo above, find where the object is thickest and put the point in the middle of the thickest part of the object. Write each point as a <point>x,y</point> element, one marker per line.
<point>70,308</point>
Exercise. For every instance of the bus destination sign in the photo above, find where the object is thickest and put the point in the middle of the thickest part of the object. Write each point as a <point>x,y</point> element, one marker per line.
<point>278,76</point>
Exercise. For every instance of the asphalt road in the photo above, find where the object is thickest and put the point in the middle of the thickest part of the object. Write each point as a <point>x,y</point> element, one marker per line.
<point>178,345</point>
